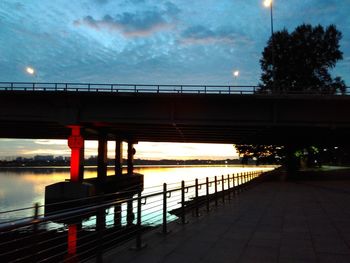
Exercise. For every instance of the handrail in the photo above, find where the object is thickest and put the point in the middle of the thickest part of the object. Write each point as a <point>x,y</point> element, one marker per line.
<point>151,88</point>
<point>28,239</point>
<point>130,88</point>
<point>28,221</point>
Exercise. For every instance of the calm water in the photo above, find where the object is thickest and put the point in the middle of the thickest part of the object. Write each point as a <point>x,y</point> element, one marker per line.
<point>22,187</point>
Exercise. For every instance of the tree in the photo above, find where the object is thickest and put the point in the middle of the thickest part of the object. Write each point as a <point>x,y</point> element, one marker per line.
<point>263,154</point>
<point>297,62</point>
<point>300,61</point>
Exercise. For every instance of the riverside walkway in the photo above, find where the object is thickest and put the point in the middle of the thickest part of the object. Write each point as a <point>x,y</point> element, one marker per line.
<point>305,221</point>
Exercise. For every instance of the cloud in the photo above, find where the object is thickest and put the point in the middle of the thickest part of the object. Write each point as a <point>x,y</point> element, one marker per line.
<point>137,24</point>
<point>102,2</point>
<point>203,35</point>
<point>172,9</point>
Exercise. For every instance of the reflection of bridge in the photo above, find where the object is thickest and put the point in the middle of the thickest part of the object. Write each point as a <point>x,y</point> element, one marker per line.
<point>171,113</point>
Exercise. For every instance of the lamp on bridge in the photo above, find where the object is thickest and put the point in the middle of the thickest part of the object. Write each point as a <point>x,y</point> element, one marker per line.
<point>235,74</point>
<point>31,71</point>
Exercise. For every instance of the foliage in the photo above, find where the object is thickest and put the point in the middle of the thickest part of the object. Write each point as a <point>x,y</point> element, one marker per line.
<point>266,154</point>
<point>301,60</point>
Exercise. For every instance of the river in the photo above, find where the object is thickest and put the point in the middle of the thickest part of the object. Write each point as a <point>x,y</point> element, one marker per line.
<point>22,187</point>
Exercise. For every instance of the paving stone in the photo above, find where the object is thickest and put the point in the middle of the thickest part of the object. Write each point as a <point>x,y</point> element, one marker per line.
<point>272,222</point>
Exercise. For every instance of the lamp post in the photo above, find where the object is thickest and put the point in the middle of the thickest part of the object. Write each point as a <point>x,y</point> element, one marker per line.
<point>269,3</point>
<point>235,74</point>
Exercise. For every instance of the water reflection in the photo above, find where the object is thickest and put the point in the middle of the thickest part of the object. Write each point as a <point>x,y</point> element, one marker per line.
<point>22,187</point>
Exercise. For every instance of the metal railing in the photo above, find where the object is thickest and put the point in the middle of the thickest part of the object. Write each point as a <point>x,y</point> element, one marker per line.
<point>87,231</point>
<point>130,88</point>
<point>145,88</point>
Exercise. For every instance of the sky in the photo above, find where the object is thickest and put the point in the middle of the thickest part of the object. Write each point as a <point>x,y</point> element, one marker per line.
<point>150,42</point>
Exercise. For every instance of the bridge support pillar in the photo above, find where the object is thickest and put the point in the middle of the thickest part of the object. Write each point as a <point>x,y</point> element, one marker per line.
<point>118,168</point>
<point>131,153</point>
<point>102,158</point>
<point>76,143</point>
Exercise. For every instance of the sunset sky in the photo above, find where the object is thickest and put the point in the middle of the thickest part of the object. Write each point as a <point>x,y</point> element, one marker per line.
<point>149,42</point>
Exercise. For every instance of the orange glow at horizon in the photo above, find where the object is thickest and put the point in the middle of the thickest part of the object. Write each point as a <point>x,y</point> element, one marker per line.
<point>144,150</point>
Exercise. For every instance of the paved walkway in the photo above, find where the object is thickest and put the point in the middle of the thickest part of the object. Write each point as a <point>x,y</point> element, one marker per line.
<point>271,222</point>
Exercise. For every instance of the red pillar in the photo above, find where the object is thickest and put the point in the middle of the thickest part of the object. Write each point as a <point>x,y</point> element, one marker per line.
<point>76,143</point>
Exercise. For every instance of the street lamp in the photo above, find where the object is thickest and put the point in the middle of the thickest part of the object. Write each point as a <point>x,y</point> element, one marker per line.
<point>269,3</point>
<point>30,70</point>
<point>235,74</point>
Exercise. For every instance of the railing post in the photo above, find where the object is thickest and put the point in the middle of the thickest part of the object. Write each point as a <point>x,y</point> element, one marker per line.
<point>228,187</point>
<point>239,182</point>
<point>183,218</point>
<point>207,192</point>
<point>234,185</point>
<point>35,231</point>
<point>216,191</point>
<point>223,188</point>
<point>196,196</point>
<point>139,230</point>
<point>165,231</point>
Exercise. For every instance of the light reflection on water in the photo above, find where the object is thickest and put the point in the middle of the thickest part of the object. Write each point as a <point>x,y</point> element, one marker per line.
<point>22,187</point>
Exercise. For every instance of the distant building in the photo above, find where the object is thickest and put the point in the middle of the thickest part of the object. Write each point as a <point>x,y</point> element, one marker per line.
<point>43,158</point>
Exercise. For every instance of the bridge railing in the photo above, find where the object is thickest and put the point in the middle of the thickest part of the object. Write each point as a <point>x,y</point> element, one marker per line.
<point>82,232</point>
<point>144,88</point>
<point>132,88</point>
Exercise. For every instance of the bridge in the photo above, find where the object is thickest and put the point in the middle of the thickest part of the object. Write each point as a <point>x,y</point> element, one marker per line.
<point>160,113</point>
<point>172,113</point>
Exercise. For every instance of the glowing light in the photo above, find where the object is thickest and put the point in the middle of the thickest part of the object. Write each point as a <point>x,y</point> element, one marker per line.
<point>30,70</point>
<point>76,143</point>
<point>236,73</point>
<point>267,3</point>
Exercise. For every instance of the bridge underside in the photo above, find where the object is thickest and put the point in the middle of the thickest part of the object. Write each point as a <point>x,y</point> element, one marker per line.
<point>177,118</point>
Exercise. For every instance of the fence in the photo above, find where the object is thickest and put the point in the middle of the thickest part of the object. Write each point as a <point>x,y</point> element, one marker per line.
<point>144,88</point>
<point>133,88</point>
<point>86,231</point>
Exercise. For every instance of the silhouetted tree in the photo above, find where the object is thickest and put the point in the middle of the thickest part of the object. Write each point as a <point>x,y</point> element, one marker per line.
<point>263,154</point>
<point>302,60</point>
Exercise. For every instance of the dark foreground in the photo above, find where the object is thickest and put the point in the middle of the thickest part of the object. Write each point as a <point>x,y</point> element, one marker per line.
<point>300,221</point>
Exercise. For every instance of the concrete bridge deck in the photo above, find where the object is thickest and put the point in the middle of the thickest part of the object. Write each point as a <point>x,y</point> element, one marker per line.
<point>271,222</point>
<point>228,117</point>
